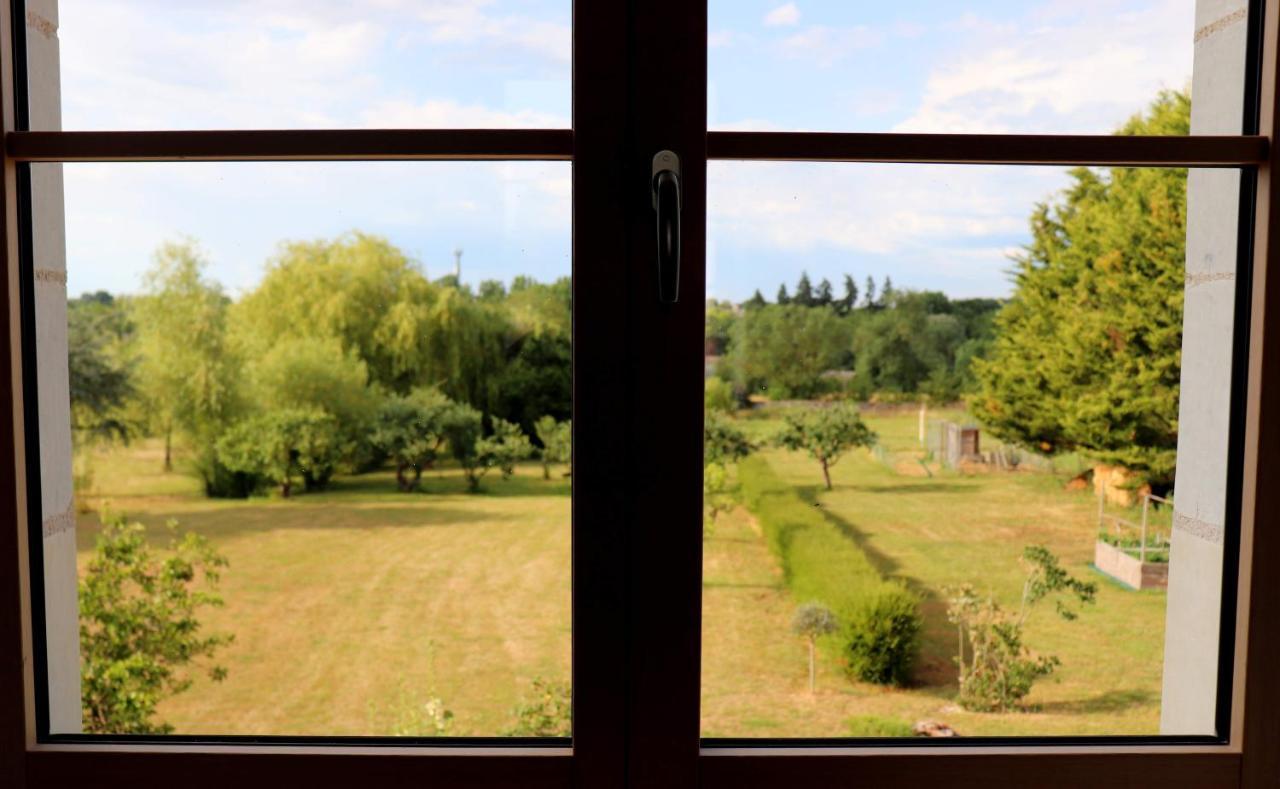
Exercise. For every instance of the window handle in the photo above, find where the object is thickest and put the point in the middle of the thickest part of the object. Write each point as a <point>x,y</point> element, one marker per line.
<point>665,184</point>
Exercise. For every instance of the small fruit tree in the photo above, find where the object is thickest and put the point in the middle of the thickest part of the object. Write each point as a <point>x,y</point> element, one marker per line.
<point>811,621</point>
<point>826,434</point>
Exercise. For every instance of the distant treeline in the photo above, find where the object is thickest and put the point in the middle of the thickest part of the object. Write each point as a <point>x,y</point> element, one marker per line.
<point>892,343</point>
<point>334,334</point>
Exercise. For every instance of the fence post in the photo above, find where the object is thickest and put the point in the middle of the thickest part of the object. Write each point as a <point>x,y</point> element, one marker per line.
<point>922,414</point>
<point>1142,551</point>
<point>1102,499</point>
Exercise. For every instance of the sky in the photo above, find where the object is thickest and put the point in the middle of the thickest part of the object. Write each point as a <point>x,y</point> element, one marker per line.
<point>1035,66</point>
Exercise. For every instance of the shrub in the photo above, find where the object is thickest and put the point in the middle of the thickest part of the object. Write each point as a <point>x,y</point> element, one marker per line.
<point>820,563</point>
<point>549,713</point>
<point>877,726</point>
<point>139,625</point>
<point>718,396</point>
<point>997,670</point>
<point>882,634</point>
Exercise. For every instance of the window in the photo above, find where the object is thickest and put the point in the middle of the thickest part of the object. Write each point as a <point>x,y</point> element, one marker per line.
<point>672,626</point>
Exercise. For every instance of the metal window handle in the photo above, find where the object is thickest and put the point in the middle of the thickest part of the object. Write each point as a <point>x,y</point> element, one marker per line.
<point>665,183</point>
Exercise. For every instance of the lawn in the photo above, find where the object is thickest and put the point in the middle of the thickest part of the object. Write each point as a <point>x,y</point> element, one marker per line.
<point>935,531</point>
<point>351,606</point>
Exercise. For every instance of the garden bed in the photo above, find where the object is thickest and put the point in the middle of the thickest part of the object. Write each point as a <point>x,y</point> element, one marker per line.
<point>1129,569</point>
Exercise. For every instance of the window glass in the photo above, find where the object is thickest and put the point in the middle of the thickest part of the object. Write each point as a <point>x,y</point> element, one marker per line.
<point>306,470</point>
<point>288,64</point>
<point>968,431</point>
<point>995,66</point>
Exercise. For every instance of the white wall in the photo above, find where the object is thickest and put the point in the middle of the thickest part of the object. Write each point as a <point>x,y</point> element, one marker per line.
<point>49,247</point>
<point>1195,571</point>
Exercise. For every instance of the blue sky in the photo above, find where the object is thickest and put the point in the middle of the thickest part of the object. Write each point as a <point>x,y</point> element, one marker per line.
<point>1078,66</point>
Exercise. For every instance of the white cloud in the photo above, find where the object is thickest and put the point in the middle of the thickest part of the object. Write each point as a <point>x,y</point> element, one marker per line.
<point>955,221</point>
<point>290,64</point>
<point>1080,68</point>
<point>446,114</point>
<point>783,15</point>
<point>827,46</point>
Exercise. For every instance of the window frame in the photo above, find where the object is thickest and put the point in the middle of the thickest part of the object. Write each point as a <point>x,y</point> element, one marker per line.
<point>636,645</point>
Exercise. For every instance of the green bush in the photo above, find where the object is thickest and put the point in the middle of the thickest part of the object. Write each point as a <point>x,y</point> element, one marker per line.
<point>882,634</point>
<point>881,618</point>
<point>877,726</point>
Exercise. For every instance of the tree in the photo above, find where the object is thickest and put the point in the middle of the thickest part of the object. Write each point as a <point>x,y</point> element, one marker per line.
<point>997,670</point>
<point>140,627</point>
<point>316,374</point>
<point>887,292</point>
<point>477,453</point>
<point>823,297</point>
<point>189,372</point>
<point>826,434</point>
<point>849,300</point>
<point>722,442</point>
<point>1087,352</point>
<point>811,621</point>
<point>786,348</point>
<point>783,298</point>
<point>870,294</point>
<point>804,291</point>
<point>411,430</point>
<point>756,300</point>
<point>284,445</point>
<point>375,301</point>
<point>557,442</point>
<point>100,375</point>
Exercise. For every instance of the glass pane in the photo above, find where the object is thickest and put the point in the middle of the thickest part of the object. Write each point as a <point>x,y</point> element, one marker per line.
<point>1020,381</point>
<point>287,64</point>
<point>350,383</point>
<point>989,66</point>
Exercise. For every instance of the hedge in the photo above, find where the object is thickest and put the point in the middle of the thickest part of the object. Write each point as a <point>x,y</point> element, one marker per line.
<point>879,617</point>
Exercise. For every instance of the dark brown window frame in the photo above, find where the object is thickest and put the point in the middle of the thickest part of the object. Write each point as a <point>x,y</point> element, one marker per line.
<point>636,633</point>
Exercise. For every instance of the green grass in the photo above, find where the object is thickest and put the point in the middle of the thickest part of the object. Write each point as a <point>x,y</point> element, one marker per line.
<point>346,605</point>
<point>931,532</point>
<point>346,602</point>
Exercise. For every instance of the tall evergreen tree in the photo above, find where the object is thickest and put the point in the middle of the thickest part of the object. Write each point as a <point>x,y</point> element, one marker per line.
<point>823,297</point>
<point>804,291</point>
<point>870,295</point>
<point>783,298</point>
<point>887,293</point>
<point>850,299</point>
<point>756,300</point>
<point>1087,355</point>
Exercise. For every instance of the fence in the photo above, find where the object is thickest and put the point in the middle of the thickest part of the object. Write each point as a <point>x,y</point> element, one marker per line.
<point>1143,528</point>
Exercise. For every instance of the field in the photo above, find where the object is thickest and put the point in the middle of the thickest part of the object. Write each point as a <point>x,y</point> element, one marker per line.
<point>932,531</point>
<point>350,607</point>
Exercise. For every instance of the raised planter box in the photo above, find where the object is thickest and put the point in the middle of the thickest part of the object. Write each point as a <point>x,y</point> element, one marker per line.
<point>1129,570</point>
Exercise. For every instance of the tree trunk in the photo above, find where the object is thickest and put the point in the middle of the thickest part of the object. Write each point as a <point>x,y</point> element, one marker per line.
<point>826,474</point>
<point>402,483</point>
<point>812,683</point>
<point>546,469</point>
<point>168,449</point>
<point>285,488</point>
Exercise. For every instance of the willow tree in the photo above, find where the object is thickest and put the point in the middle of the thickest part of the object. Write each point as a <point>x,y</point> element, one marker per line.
<point>1087,352</point>
<point>378,304</point>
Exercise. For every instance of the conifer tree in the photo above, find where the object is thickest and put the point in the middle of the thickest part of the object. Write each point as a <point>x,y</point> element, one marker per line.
<point>1087,354</point>
<point>804,291</point>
